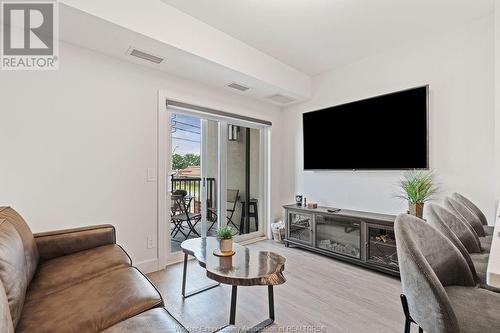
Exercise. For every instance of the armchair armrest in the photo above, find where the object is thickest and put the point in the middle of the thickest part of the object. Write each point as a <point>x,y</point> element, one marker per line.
<point>58,243</point>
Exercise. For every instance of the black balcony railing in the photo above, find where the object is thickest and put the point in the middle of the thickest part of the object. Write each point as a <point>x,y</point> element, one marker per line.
<point>192,185</point>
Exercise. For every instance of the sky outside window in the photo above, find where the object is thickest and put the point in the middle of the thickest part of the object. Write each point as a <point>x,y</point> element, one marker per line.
<point>186,134</point>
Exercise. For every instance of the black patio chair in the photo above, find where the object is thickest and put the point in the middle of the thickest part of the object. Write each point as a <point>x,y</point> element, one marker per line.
<point>180,214</point>
<point>232,197</point>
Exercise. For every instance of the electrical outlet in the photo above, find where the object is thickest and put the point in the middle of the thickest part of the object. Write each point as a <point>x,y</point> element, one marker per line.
<point>151,242</point>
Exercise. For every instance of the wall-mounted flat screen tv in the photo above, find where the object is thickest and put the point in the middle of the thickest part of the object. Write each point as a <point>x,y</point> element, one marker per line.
<point>388,132</point>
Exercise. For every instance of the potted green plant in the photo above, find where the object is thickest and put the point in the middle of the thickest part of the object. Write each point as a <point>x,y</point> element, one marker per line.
<point>417,187</point>
<point>225,237</point>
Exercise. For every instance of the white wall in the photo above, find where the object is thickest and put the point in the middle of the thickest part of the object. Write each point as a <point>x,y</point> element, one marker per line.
<point>459,69</point>
<point>76,143</point>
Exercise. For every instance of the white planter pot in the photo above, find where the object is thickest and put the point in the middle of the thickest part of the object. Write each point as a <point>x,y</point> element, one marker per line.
<point>226,245</point>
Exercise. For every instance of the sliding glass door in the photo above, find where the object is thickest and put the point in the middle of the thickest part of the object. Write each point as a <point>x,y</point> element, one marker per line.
<point>243,178</point>
<point>215,178</point>
<point>193,178</point>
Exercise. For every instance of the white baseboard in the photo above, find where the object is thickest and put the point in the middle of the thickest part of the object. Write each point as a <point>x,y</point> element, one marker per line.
<point>147,266</point>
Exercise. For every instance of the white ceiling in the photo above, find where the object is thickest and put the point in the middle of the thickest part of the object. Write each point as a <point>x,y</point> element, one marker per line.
<point>113,40</point>
<point>314,36</point>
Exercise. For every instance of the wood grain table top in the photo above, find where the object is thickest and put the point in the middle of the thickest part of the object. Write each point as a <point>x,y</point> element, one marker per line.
<point>244,268</point>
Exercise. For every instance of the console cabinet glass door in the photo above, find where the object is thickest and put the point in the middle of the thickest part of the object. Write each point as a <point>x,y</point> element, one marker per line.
<point>300,227</point>
<point>381,246</point>
<point>338,234</point>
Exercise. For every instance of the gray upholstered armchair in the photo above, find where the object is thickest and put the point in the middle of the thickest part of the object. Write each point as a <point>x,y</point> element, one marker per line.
<point>438,215</point>
<point>456,231</point>
<point>438,285</point>
<point>469,217</point>
<point>463,238</point>
<point>462,211</point>
<point>474,209</point>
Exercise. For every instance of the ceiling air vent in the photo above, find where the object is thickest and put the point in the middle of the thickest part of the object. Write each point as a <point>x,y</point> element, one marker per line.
<point>144,55</point>
<point>238,86</point>
<point>281,99</point>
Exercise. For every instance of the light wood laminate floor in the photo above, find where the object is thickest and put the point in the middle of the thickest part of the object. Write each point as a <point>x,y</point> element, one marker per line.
<point>320,293</point>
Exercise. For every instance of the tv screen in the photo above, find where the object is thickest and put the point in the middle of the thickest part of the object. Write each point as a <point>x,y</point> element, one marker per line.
<point>384,132</point>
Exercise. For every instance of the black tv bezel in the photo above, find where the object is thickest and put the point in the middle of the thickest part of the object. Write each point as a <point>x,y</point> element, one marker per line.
<point>427,162</point>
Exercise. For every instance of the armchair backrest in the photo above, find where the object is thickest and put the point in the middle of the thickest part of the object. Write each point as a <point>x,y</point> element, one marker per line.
<point>475,209</point>
<point>465,213</point>
<point>446,222</point>
<point>438,217</point>
<point>428,262</point>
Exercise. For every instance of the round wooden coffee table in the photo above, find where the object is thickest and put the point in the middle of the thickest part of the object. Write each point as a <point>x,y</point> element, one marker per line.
<point>244,268</point>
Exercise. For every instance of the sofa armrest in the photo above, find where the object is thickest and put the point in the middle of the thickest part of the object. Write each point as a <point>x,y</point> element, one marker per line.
<point>58,243</point>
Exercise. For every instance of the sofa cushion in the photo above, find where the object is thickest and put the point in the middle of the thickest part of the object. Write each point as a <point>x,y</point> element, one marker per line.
<point>12,268</point>
<point>480,258</point>
<point>476,309</point>
<point>6,325</point>
<point>481,265</point>
<point>153,321</point>
<point>91,306</point>
<point>62,272</point>
<point>489,230</point>
<point>486,243</point>
<point>30,248</point>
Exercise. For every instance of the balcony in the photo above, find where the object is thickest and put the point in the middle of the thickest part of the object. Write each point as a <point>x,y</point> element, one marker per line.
<point>192,185</point>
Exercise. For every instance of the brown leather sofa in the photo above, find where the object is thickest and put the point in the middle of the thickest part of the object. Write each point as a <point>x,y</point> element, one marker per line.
<point>75,280</point>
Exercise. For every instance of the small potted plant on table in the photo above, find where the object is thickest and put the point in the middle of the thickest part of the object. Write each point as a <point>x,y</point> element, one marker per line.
<point>225,237</point>
<point>417,188</point>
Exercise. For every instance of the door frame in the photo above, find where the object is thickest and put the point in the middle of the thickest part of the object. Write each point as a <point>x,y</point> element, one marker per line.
<point>164,160</point>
